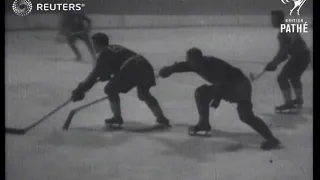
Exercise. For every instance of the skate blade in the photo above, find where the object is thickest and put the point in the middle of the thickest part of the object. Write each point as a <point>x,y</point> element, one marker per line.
<point>276,147</point>
<point>200,133</point>
<point>113,127</point>
<point>289,111</point>
<point>157,127</point>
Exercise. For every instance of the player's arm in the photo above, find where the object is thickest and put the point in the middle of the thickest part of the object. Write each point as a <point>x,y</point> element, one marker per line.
<point>95,74</point>
<point>63,25</point>
<point>79,93</point>
<point>87,21</point>
<point>177,67</point>
<point>282,53</point>
<point>89,81</point>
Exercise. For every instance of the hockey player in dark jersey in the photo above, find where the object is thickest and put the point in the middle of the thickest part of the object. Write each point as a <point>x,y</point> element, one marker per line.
<point>293,49</point>
<point>124,69</point>
<point>226,83</point>
<point>76,26</point>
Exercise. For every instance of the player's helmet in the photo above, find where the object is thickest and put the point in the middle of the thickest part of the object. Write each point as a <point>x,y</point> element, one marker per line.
<point>194,53</point>
<point>100,39</point>
<point>278,17</point>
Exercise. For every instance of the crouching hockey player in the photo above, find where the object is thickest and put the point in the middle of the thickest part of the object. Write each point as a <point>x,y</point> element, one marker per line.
<point>124,69</point>
<point>227,83</point>
<point>76,26</point>
<point>293,45</point>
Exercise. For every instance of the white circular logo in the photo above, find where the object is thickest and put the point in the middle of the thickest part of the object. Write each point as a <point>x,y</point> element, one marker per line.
<point>22,7</point>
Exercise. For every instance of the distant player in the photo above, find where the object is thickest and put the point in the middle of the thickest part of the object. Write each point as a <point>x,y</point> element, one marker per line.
<point>124,69</point>
<point>293,48</point>
<point>227,83</point>
<point>76,26</point>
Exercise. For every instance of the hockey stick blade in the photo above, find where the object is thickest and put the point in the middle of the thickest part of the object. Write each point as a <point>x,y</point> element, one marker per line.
<point>47,116</point>
<point>69,118</point>
<point>74,111</point>
<point>15,131</point>
<point>25,130</point>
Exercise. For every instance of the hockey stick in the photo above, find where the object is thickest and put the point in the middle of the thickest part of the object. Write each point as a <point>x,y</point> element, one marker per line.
<point>254,77</point>
<point>74,111</point>
<point>18,131</point>
<point>15,131</point>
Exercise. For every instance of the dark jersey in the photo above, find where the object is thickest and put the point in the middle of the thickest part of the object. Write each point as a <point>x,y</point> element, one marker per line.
<point>74,22</point>
<point>294,41</point>
<point>290,44</point>
<point>109,63</point>
<point>213,70</point>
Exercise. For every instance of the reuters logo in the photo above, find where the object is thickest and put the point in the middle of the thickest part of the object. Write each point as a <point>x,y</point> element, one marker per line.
<point>22,7</point>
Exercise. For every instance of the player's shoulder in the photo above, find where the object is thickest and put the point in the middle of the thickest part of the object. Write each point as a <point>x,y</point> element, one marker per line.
<point>116,46</point>
<point>217,62</point>
<point>106,52</point>
<point>213,59</point>
<point>119,49</point>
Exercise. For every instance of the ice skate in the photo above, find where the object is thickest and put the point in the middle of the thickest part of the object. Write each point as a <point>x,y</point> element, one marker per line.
<point>287,108</point>
<point>270,144</point>
<point>163,121</point>
<point>297,103</point>
<point>114,122</point>
<point>200,130</point>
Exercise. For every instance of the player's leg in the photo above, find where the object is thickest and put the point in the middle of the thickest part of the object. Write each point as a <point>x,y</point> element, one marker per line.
<point>240,93</point>
<point>284,84</point>
<point>113,96</point>
<point>71,41</point>
<point>146,80</point>
<point>122,82</point>
<point>203,96</point>
<point>145,95</point>
<point>86,38</point>
<point>295,78</point>
<point>247,116</point>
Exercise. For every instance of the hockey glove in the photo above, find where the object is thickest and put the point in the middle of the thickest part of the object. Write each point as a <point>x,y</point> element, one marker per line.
<point>270,67</point>
<point>165,72</point>
<point>215,103</point>
<point>77,94</point>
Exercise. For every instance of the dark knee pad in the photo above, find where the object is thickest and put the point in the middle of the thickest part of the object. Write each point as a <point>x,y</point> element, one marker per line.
<point>144,96</point>
<point>283,81</point>
<point>296,82</point>
<point>245,112</point>
<point>152,103</point>
<point>202,95</point>
<point>147,97</point>
<point>112,94</point>
<point>246,115</point>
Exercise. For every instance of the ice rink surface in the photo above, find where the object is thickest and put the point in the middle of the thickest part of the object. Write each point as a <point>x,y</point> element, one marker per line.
<point>40,75</point>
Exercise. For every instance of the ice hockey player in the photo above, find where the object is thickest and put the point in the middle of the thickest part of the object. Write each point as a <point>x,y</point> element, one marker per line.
<point>76,26</point>
<point>294,49</point>
<point>124,69</point>
<point>227,83</point>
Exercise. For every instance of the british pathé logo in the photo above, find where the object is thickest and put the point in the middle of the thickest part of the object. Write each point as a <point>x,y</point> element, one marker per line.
<point>297,4</point>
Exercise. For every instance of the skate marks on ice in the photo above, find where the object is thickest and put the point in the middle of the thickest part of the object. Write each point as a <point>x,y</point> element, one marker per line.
<point>128,126</point>
<point>84,139</point>
<point>284,120</point>
<point>177,141</point>
<point>201,149</point>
